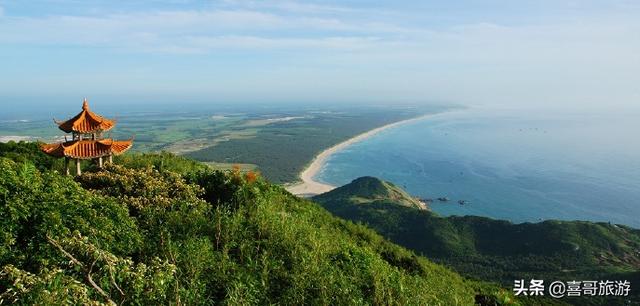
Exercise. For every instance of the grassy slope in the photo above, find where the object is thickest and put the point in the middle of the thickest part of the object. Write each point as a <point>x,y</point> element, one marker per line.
<point>197,237</point>
<point>497,250</point>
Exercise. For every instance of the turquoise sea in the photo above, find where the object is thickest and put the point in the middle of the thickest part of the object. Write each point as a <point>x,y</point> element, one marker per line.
<point>522,166</point>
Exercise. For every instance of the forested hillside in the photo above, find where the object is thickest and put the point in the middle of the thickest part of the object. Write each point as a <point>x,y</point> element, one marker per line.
<point>497,250</point>
<point>160,229</point>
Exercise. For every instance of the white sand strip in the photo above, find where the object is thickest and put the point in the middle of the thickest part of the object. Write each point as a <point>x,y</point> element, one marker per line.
<point>309,187</point>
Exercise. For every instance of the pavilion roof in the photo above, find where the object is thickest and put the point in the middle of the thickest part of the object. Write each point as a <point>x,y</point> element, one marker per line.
<point>86,122</point>
<point>87,149</point>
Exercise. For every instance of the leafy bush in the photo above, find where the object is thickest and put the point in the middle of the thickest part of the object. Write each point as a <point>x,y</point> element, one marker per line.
<point>151,236</point>
<point>35,204</point>
<point>163,161</point>
<point>29,152</point>
<point>141,188</point>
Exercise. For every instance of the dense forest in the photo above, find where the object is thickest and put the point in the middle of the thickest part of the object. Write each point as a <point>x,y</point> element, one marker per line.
<point>497,250</point>
<point>160,229</point>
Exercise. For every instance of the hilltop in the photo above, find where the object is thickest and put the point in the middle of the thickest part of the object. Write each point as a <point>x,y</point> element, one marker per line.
<point>370,190</point>
<point>488,249</point>
<point>161,229</point>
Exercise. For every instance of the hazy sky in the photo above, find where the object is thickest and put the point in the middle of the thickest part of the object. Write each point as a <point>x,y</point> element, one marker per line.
<point>521,53</point>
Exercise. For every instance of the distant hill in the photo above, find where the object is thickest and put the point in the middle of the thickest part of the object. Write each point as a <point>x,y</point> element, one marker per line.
<point>493,250</point>
<point>369,190</point>
<point>163,230</point>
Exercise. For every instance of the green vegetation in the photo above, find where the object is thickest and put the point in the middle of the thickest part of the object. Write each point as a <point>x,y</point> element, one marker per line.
<point>163,161</point>
<point>165,230</point>
<point>29,152</point>
<point>369,190</point>
<point>226,166</point>
<point>278,142</point>
<point>282,149</point>
<point>179,133</point>
<point>494,250</point>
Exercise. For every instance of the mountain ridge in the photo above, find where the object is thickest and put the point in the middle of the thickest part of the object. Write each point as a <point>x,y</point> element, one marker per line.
<point>497,250</point>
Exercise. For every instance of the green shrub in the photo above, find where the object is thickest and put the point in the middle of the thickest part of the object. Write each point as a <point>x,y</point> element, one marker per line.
<point>141,236</point>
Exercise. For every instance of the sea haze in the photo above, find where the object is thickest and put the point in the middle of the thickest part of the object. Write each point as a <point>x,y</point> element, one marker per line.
<point>519,166</point>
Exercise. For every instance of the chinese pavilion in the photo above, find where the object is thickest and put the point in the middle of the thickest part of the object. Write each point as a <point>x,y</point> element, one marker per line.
<point>87,142</point>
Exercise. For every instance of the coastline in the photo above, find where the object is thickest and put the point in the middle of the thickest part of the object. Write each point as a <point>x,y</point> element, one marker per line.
<point>310,187</point>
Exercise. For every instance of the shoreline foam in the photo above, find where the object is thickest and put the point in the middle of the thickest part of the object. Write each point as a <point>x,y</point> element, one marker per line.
<point>310,187</point>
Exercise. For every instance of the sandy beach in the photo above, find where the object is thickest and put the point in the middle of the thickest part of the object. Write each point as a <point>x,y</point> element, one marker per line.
<point>309,187</point>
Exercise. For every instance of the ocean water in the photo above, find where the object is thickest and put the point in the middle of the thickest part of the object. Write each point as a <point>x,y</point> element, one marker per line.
<point>513,165</point>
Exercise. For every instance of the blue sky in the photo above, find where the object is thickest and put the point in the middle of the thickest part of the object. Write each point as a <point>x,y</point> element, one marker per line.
<point>530,53</point>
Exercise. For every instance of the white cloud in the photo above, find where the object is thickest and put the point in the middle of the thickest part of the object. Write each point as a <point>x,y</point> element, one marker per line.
<point>290,6</point>
<point>254,43</point>
<point>194,31</point>
<point>591,59</point>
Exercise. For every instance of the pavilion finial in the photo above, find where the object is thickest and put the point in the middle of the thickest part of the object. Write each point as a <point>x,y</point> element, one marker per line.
<point>85,104</point>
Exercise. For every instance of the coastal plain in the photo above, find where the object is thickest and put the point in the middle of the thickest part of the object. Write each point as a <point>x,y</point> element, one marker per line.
<point>279,142</point>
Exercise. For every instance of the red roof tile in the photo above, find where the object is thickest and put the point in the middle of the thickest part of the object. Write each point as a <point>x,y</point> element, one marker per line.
<point>87,149</point>
<point>86,122</point>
